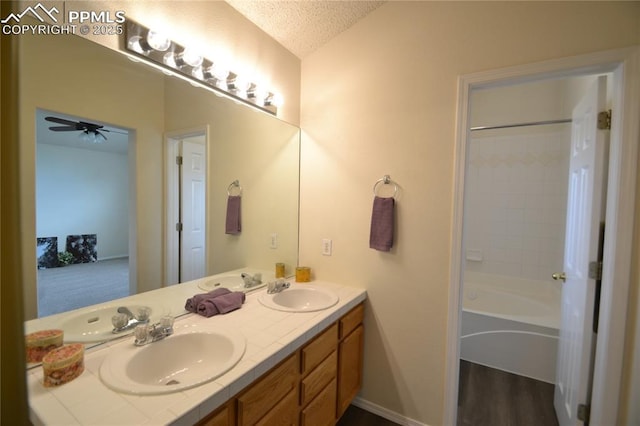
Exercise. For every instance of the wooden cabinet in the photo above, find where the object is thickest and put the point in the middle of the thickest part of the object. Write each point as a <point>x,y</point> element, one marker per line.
<point>350,354</point>
<point>350,368</point>
<point>319,378</point>
<point>223,416</point>
<point>318,387</point>
<point>285,413</point>
<point>322,410</point>
<point>312,387</point>
<point>269,391</point>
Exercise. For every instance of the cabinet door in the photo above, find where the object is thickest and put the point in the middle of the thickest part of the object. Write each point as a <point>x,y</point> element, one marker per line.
<point>322,410</point>
<point>223,417</point>
<point>350,368</point>
<point>283,414</point>
<point>268,391</point>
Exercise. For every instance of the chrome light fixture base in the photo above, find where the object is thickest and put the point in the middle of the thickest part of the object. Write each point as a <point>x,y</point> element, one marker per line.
<point>151,46</point>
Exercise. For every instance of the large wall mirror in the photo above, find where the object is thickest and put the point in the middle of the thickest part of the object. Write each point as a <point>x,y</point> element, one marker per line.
<point>143,111</point>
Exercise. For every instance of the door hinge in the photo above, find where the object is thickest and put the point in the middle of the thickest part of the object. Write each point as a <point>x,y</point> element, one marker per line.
<point>583,412</point>
<point>595,271</point>
<point>604,120</point>
<point>179,160</point>
<point>179,226</point>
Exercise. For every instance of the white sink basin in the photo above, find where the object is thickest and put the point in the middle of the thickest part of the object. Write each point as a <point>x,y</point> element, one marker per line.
<point>176,363</point>
<point>303,298</point>
<point>231,282</point>
<point>94,325</point>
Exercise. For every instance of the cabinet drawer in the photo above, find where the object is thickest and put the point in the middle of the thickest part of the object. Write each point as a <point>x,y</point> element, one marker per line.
<point>351,320</point>
<point>318,349</point>
<point>322,410</point>
<point>318,378</point>
<point>285,413</point>
<point>268,391</point>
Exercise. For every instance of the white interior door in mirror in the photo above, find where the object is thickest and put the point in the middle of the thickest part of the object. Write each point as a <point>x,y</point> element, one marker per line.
<point>192,205</point>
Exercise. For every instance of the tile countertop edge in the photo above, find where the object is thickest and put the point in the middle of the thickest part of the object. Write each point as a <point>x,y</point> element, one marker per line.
<point>68,404</point>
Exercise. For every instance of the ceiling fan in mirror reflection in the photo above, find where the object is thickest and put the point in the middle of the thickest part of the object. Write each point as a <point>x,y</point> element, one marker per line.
<point>89,132</point>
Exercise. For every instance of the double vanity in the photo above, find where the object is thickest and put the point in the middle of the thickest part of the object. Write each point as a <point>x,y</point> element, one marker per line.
<point>294,356</point>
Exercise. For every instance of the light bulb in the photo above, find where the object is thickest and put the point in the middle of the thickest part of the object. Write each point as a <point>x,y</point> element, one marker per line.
<point>169,59</point>
<point>86,137</point>
<point>219,71</point>
<point>191,58</point>
<point>138,45</point>
<point>157,41</point>
<point>240,84</point>
<point>274,99</point>
<point>200,74</point>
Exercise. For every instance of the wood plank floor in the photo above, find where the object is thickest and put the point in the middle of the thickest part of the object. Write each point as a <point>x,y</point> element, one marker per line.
<point>355,416</point>
<point>493,397</point>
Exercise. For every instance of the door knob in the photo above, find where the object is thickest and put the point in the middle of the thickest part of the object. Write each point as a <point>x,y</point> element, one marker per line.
<point>559,276</point>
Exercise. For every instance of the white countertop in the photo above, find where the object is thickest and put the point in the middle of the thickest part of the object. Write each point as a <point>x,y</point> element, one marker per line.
<point>270,336</point>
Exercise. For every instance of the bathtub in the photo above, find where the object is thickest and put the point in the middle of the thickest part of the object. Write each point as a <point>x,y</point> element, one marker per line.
<point>511,324</point>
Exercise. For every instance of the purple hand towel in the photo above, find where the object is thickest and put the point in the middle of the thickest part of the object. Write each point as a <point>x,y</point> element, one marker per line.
<point>192,303</point>
<point>229,302</point>
<point>382,221</point>
<point>232,224</point>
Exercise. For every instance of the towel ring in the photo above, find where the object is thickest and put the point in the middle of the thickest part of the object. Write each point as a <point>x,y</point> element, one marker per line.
<point>385,180</point>
<point>235,183</point>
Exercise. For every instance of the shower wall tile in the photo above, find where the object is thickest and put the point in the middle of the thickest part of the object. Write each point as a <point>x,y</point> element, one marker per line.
<point>515,206</point>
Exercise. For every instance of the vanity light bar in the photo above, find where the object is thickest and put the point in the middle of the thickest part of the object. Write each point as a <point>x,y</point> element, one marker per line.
<point>169,55</point>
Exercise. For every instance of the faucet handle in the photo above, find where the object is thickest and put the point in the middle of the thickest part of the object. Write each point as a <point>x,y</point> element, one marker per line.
<point>141,333</point>
<point>119,320</point>
<point>166,322</point>
<point>143,313</point>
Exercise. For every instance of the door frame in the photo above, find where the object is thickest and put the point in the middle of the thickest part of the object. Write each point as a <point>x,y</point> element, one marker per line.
<point>621,190</point>
<point>171,204</point>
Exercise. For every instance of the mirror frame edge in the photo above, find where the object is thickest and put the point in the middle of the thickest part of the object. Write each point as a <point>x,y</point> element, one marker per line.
<point>13,383</point>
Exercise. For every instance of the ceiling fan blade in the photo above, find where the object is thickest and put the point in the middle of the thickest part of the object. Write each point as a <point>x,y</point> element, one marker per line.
<point>120,132</point>
<point>63,129</point>
<point>61,121</point>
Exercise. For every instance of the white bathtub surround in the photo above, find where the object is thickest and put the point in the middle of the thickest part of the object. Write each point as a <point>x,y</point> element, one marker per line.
<point>516,200</point>
<point>517,299</point>
<point>511,324</point>
<point>270,335</point>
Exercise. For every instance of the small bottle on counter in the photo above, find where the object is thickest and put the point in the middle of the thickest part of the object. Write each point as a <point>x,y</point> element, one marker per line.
<point>303,274</point>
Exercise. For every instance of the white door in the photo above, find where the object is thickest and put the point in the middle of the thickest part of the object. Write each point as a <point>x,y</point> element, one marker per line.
<point>192,205</point>
<point>585,213</point>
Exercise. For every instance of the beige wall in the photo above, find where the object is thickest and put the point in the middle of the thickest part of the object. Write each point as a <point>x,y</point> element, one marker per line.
<point>381,99</point>
<point>263,154</point>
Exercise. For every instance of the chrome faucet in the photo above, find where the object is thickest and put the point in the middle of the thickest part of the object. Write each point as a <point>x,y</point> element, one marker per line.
<point>277,286</point>
<point>125,320</point>
<point>251,281</point>
<point>149,333</point>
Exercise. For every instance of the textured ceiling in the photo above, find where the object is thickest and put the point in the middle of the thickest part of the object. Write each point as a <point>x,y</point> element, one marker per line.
<point>303,26</point>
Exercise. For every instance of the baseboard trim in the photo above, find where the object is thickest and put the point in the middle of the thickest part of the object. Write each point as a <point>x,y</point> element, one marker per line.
<point>120,256</point>
<point>387,414</point>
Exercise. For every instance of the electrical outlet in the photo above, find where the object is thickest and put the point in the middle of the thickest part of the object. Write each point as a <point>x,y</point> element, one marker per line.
<point>274,241</point>
<point>326,246</point>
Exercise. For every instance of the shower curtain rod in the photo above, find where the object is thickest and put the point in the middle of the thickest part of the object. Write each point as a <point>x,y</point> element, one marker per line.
<point>531,123</point>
